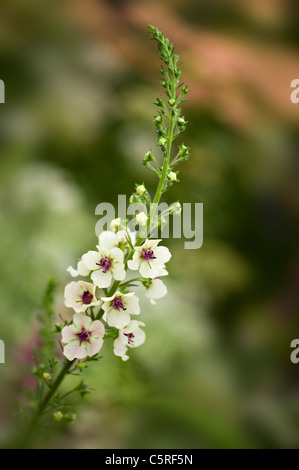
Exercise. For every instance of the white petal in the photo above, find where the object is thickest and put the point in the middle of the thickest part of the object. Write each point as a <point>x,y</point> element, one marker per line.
<point>147,269</point>
<point>77,306</point>
<point>94,346</point>
<point>72,291</point>
<point>119,345</point>
<point>132,326</point>
<point>73,350</point>
<point>73,272</point>
<point>117,255</point>
<point>97,329</point>
<point>150,244</point>
<point>135,262</point>
<point>139,338</point>
<point>122,237</point>
<point>162,255</point>
<point>68,333</point>
<point>118,319</point>
<point>81,321</point>
<point>119,272</point>
<point>108,299</point>
<point>101,279</point>
<point>132,304</point>
<point>87,287</point>
<point>82,269</point>
<point>156,290</point>
<point>90,259</point>
<point>108,240</point>
<point>162,271</point>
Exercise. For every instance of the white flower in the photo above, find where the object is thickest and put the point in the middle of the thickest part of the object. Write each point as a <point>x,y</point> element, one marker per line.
<point>80,295</point>
<point>141,219</point>
<point>83,338</point>
<point>114,224</point>
<point>104,264</point>
<point>81,270</point>
<point>124,235</point>
<point>131,336</point>
<point>156,290</point>
<point>119,307</point>
<point>149,258</point>
<point>140,190</point>
<point>109,240</point>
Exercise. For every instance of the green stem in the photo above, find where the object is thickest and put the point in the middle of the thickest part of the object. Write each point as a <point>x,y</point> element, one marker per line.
<point>42,406</point>
<point>130,280</point>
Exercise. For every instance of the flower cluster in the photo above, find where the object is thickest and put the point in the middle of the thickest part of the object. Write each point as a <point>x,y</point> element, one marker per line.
<point>103,298</point>
<point>106,295</point>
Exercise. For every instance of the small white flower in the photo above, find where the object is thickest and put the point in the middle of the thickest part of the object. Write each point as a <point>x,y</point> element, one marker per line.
<point>140,190</point>
<point>81,270</point>
<point>119,307</point>
<point>123,236</point>
<point>114,224</point>
<point>141,219</point>
<point>80,295</point>
<point>109,240</point>
<point>104,264</point>
<point>156,290</point>
<point>149,258</point>
<point>131,336</point>
<point>83,338</point>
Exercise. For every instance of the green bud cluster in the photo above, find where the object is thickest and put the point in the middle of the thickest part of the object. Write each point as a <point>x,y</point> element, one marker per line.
<point>169,122</point>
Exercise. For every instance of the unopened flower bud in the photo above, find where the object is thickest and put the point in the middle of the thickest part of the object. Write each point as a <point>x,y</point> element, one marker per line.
<point>183,149</point>
<point>148,157</point>
<point>47,377</point>
<point>114,224</point>
<point>140,190</point>
<point>58,416</point>
<point>171,102</point>
<point>81,365</point>
<point>177,208</point>
<point>162,141</point>
<point>172,176</point>
<point>141,219</point>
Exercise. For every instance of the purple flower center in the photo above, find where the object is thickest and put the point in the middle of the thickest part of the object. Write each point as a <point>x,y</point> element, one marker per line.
<point>105,263</point>
<point>147,254</point>
<point>86,297</point>
<point>83,335</point>
<point>118,304</point>
<point>130,337</point>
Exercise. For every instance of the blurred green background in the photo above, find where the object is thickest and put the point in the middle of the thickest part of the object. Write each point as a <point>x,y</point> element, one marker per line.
<point>81,77</point>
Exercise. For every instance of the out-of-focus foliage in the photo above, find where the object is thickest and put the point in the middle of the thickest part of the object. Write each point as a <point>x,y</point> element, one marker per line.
<point>80,82</point>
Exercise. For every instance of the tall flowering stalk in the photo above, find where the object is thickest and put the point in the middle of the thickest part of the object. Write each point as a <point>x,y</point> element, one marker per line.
<point>103,301</point>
